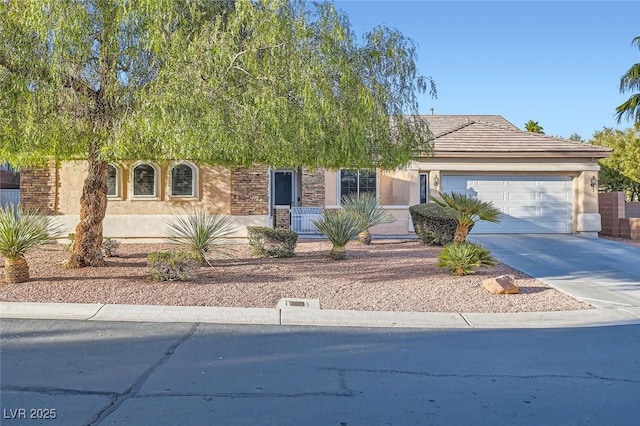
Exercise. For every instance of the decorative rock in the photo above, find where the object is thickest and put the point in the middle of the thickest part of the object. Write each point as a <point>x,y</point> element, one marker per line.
<point>504,284</point>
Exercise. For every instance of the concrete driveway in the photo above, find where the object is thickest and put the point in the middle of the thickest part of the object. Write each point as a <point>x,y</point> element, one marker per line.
<point>601,272</point>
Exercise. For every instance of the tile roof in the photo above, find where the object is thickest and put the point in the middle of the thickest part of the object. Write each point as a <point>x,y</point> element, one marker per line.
<point>479,135</point>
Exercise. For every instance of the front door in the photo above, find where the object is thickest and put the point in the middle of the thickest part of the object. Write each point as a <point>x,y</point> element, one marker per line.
<point>282,188</point>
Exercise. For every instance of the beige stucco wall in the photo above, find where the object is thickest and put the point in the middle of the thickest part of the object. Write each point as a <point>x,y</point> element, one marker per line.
<point>214,185</point>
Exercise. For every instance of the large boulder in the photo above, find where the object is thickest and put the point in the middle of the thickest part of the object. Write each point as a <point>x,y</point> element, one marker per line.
<point>504,284</point>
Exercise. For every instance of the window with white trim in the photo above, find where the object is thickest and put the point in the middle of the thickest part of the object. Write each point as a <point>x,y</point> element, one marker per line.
<point>145,178</point>
<point>113,181</point>
<point>357,182</point>
<point>184,180</point>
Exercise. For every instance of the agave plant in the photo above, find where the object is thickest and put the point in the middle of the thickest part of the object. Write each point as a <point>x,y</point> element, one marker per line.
<point>340,227</point>
<point>198,231</point>
<point>468,210</point>
<point>464,258</point>
<point>20,231</point>
<point>366,205</point>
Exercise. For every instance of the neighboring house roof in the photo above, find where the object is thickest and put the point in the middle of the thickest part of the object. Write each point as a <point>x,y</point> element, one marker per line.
<point>492,135</point>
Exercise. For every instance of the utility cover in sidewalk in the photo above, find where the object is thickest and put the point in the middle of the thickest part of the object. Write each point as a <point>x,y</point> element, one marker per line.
<point>290,303</point>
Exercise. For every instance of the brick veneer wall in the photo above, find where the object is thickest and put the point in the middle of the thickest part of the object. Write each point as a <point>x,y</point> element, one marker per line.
<point>611,208</point>
<point>619,218</point>
<point>312,188</point>
<point>38,188</point>
<point>282,217</point>
<point>249,191</point>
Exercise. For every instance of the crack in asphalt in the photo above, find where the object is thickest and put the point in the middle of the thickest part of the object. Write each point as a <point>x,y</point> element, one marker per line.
<point>587,376</point>
<point>242,394</point>
<point>133,390</point>
<point>56,391</point>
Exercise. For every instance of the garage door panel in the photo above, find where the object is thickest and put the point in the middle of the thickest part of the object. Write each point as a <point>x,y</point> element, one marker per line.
<point>529,204</point>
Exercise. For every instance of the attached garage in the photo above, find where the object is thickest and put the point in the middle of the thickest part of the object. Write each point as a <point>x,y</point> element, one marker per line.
<point>529,204</point>
<point>540,183</point>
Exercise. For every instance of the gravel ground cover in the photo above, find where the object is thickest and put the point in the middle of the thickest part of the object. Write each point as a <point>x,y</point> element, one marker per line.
<point>389,275</point>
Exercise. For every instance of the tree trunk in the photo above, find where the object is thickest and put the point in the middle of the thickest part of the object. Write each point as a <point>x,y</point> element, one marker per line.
<point>338,253</point>
<point>365,237</point>
<point>461,234</point>
<point>16,270</point>
<point>86,249</point>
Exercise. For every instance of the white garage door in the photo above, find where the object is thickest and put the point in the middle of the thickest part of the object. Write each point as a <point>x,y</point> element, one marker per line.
<point>528,204</point>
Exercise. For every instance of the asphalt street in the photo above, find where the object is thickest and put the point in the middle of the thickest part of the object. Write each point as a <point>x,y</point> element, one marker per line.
<point>133,373</point>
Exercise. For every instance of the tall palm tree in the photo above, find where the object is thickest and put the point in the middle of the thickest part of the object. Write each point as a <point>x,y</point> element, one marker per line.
<point>533,127</point>
<point>467,211</point>
<point>630,82</point>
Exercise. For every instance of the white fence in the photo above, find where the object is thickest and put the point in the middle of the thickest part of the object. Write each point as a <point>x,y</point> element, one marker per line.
<point>302,219</point>
<point>9,196</point>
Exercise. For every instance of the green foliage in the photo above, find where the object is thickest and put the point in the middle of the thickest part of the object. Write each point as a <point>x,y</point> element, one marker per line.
<point>533,127</point>
<point>464,258</point>
<point>224,83</point>
<point>23,229</point>
<point>468,210</point>
<point>271,242</point>
<point>621,171</point>
<point>340,227</point>
<point>172,265</point>
<point>197,230</point>
<point>110,247</point>
<point>366,205</point>
<point>434,224</point>
<point>630,82</point>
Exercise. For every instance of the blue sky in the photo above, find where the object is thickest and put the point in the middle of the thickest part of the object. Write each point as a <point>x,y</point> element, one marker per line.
<point>555,62</point>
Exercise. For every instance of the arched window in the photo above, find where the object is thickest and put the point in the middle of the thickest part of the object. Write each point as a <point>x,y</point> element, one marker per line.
<point>184,179</point>
<point>145,178</point>
<point>113,181</point>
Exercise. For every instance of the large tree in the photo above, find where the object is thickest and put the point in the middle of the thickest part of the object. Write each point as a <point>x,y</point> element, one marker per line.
<point>273,82</point>
<point>630,82</point>
<point>621,171</point>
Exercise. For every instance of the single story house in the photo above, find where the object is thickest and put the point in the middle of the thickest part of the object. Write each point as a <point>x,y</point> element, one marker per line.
<point>542,184</point>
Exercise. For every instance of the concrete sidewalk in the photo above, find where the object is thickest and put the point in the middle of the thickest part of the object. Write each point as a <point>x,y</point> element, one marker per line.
<point>307,312</point>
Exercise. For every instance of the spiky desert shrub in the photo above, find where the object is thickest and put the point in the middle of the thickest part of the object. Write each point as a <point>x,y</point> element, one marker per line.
<point>271,242</point>
<point>198,231</point>
<point>366,205</point>
<point>340,227</point>
<point>20,231</point>
<point>464,258</point>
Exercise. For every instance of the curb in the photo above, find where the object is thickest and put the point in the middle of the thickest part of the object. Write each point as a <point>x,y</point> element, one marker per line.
<point>309,315</point>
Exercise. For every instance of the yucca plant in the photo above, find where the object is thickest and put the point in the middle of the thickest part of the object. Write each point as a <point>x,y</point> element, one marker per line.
<point>340,227</point>
<point>366,205</point>
<point>464,258</point>
<point>198,231</point>
<point>20,231</point>
<point>468,210</point>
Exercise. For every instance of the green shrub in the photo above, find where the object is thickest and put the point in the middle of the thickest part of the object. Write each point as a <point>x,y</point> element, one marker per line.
<point>172,265</point>
<point>271,242</point>
<point>434,225</point>
<point>109,247</point>
<point>464,258</point>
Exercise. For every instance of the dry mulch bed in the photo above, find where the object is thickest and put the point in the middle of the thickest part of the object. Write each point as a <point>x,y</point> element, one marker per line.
<point>388,275</point>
